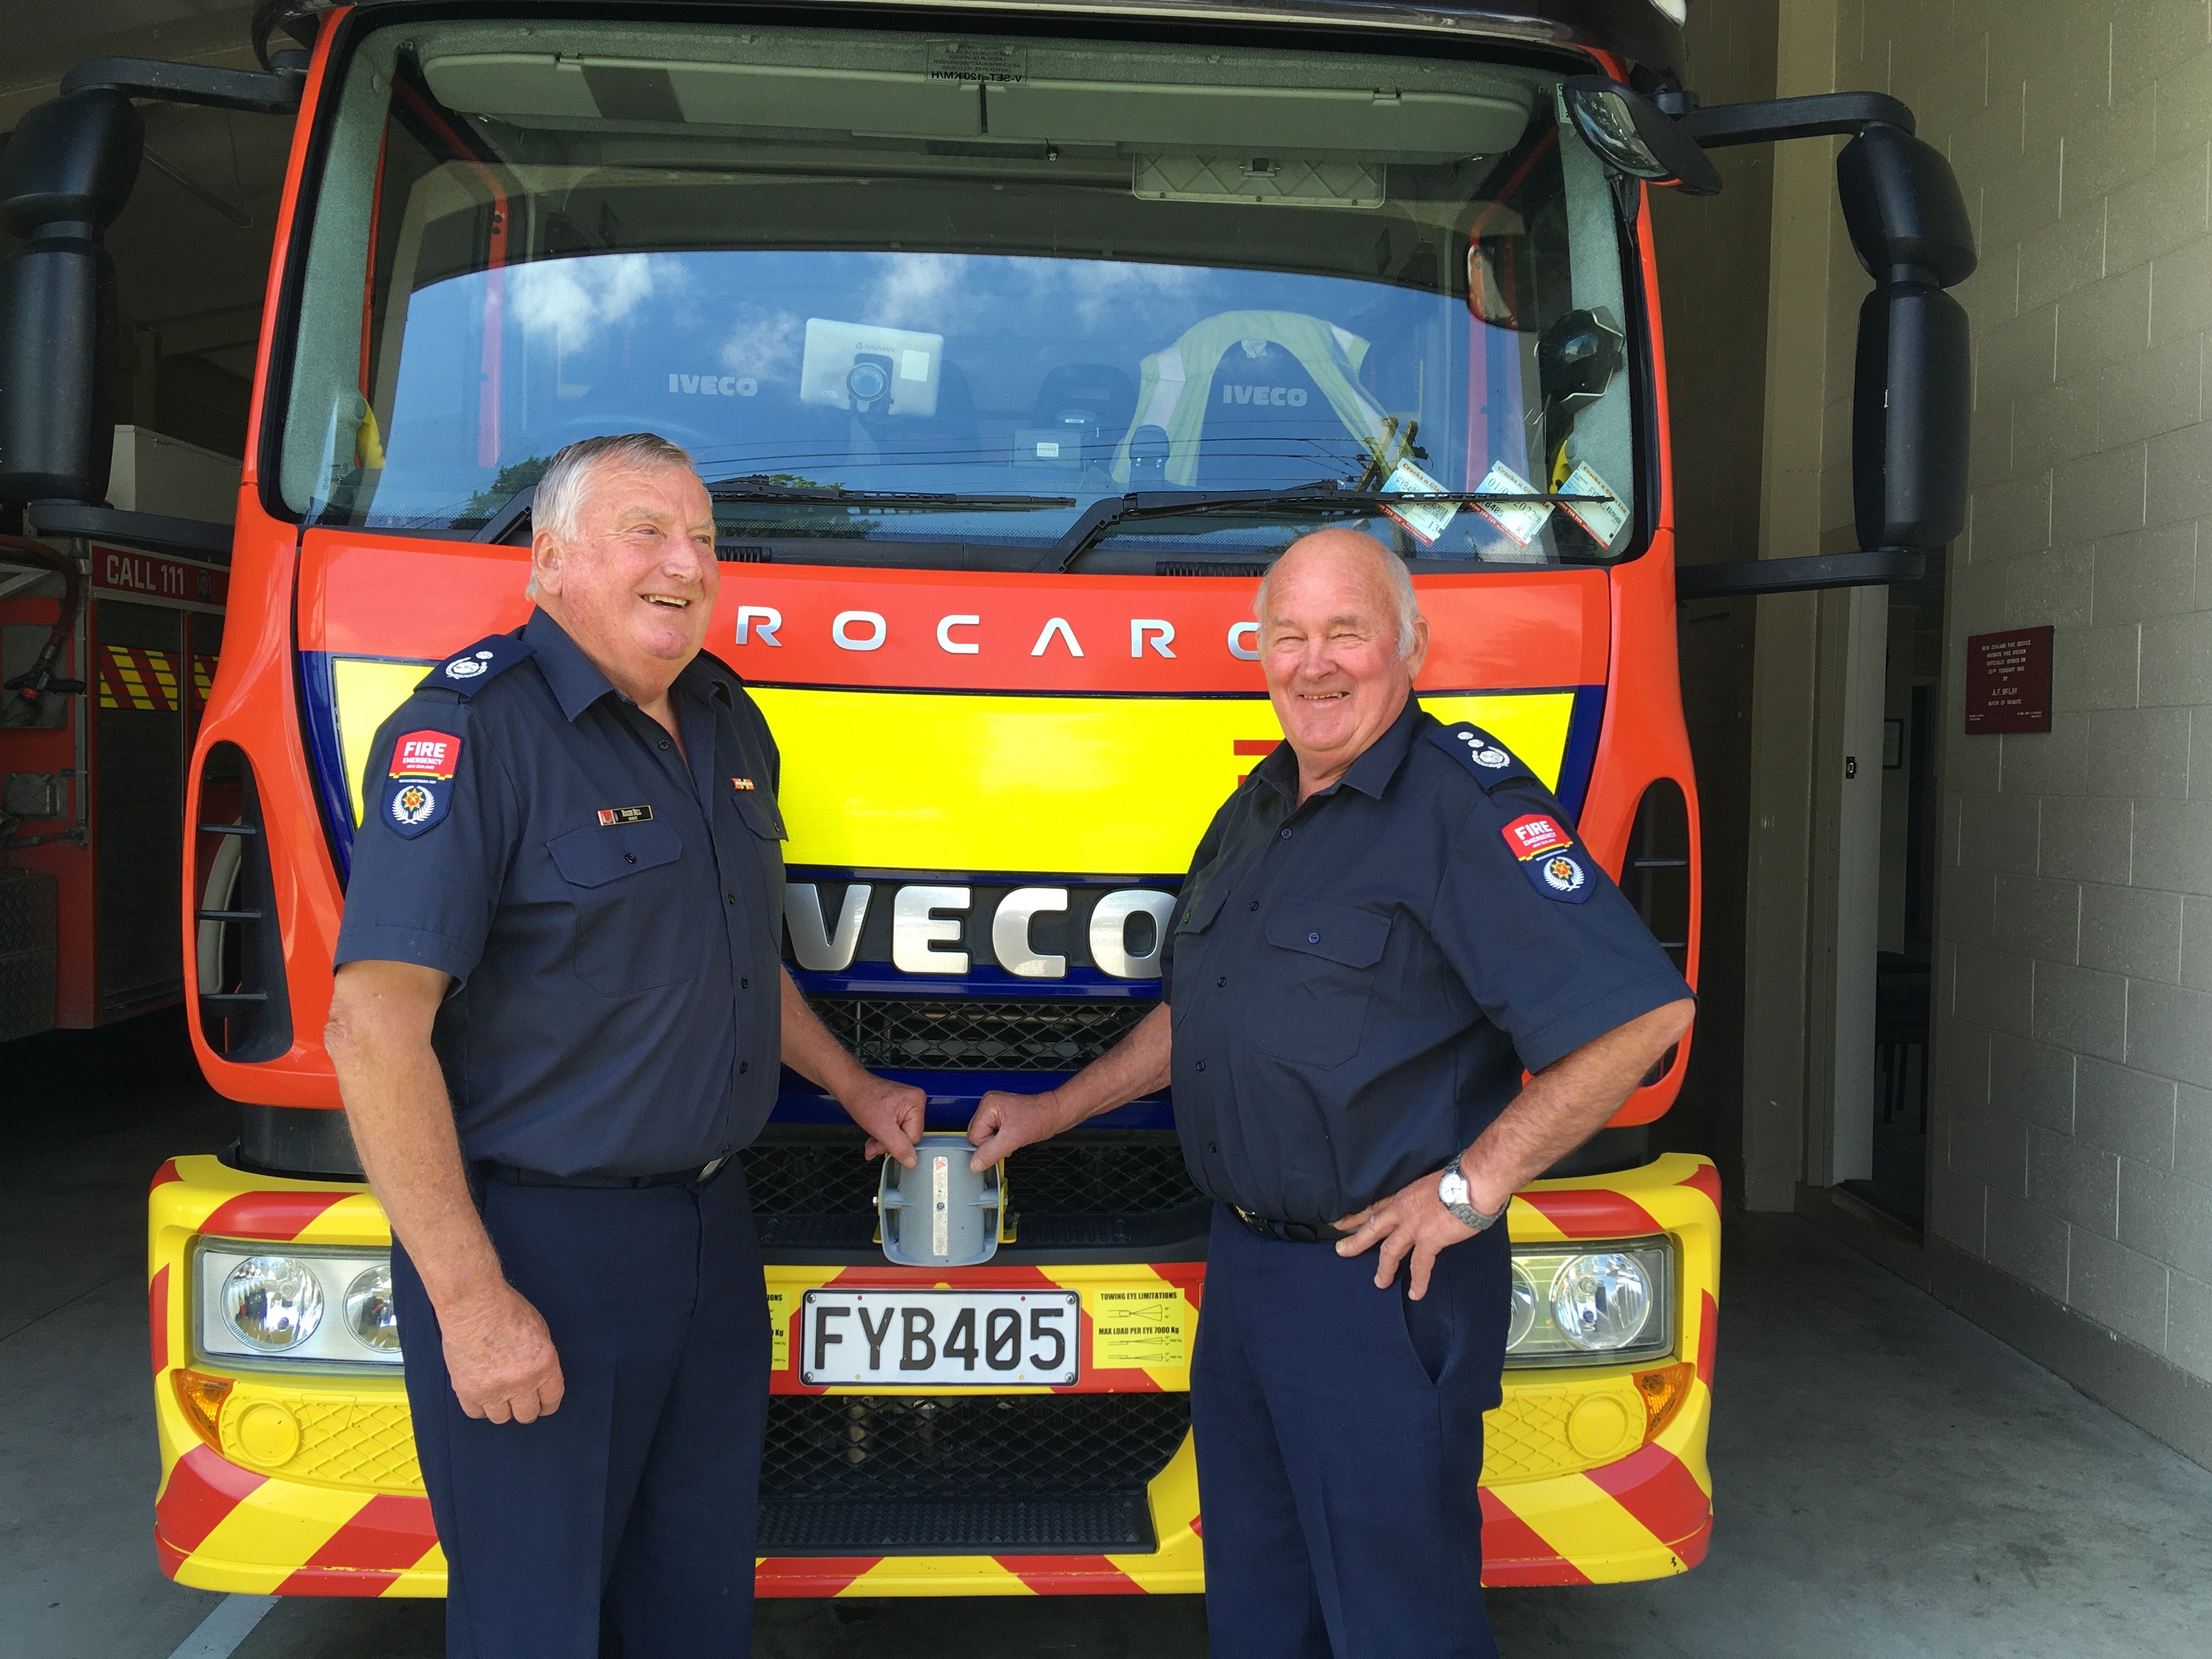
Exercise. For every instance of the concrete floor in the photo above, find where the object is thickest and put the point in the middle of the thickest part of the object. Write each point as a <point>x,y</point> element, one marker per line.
<point>1892,1481</point>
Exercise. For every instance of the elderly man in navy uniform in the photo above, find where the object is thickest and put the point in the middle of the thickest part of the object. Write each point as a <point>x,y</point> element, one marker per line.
<point>558,1015</point>
<point>1385,924</point>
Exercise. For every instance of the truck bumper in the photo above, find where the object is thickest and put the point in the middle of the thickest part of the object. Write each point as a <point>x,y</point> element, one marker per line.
<point>305,1484</point>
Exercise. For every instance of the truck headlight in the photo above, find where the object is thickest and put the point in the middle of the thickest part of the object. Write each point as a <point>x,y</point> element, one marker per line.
<point>369,1313</point>
<point>1591,1303</point>
<point>272,1302</point>
<point>306,1308</point>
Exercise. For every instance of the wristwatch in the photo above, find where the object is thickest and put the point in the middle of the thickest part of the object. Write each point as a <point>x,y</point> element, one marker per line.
<point>1451,1187</point>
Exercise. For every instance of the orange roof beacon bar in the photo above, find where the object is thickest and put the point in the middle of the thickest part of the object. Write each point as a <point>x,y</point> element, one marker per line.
<point>1013,345</point>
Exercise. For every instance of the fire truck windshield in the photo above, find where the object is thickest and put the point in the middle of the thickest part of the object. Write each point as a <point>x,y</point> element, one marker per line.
<point>927,300</point>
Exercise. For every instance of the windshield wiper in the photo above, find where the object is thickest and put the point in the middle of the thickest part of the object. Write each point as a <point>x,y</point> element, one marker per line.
<point>775,489</point>
<point>1104,513</point>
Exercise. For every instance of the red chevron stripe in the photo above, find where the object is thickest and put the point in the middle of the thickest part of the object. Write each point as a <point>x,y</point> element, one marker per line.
<point>1592,1212</point>
<point>1707,1180</point>
<point>164,1176</point>
<point>1514,1553</point>
<point>281,1216</point>
<point>387,1535</point>
<point>809,1576</point>
<point>1070,1575</point>
<point>1709,1331</point>
<point>1657,1488</point>
<point>157,1319</point>
<point>202,1490</point>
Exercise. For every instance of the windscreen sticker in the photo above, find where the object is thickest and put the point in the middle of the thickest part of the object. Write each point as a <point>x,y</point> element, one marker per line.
<point>1603,517</point>
<point>1426,519</point>
<point>1520,520</point>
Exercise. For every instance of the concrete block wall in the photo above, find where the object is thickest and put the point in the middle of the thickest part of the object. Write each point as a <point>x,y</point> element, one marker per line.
<point>2071,1104</point>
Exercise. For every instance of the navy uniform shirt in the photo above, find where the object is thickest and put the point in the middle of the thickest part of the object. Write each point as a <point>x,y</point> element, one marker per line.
<point>612,914</point>
<point>1356,983</point>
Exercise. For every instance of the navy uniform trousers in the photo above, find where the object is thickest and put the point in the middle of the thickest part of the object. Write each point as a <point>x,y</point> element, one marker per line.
<point>1339,1432</point>
<point>622,1524</point>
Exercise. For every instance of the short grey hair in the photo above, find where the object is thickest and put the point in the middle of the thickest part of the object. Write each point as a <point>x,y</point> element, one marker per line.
<point>561,490</point>
<point>559,500</point>
<point>1399,580</point>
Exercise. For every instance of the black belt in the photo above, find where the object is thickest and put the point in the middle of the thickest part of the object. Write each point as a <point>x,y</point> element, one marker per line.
<point>1290,1232</point>
<point>507,1175</point>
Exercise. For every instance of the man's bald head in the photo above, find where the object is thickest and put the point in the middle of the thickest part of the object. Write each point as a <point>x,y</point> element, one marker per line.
<point>1347,552</point>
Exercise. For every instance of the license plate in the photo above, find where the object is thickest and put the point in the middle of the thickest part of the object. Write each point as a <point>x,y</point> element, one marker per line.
<point>956,1339</point>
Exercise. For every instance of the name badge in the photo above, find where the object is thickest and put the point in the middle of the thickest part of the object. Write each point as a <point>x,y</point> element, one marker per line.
<point>611,816</point>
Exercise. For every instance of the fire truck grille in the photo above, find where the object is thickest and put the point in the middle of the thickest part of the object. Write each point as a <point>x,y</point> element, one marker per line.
<point>1040,1034</point>
<point>849,1474</point>
<point>791,1180</point>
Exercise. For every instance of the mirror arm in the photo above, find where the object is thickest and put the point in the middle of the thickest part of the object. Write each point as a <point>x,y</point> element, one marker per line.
<point>1884,567</point>
<point>1775,120</point>
<point>249,90</point>
<point>156,532</point>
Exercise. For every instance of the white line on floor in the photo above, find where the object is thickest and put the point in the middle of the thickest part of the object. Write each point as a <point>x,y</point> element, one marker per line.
<point>222,1631</point>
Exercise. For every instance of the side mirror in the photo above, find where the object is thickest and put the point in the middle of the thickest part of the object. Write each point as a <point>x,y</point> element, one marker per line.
<point>1633,136</point>
<point>66,174</point>
<point>1911,385</point>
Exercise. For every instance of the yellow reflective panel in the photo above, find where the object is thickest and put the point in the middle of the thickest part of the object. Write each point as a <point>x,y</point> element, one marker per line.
<point>938,780</point>
<point>367,692</point>
<point>875,780</point>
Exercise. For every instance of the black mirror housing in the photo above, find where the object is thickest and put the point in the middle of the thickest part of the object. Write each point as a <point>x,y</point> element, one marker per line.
<point>1904,210</point>
<point>1911,414</point>
<point>72,160</point>
<point>67,172</point>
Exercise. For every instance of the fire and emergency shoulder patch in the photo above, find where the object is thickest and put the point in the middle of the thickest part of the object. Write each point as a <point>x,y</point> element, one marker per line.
<point>1541,842</point>
<point>418,791</point>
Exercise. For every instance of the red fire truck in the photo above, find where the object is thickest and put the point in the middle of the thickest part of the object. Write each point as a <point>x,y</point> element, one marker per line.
<point>1012,343</point>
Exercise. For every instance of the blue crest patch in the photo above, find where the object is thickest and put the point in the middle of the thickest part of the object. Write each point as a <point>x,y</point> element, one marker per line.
<point>413,806</point>
<point>1562,876</point>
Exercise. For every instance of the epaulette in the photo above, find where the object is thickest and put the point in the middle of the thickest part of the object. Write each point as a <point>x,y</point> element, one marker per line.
<point>475,668</point>
<point>1490,761</point>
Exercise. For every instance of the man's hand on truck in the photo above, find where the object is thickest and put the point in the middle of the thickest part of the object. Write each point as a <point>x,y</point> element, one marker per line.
<point>1137,1065</point>
<point>498,1351</point>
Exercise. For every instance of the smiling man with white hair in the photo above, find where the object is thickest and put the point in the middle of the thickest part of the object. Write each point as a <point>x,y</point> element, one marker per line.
<point>558,1015</point>
<point>1384,926</point>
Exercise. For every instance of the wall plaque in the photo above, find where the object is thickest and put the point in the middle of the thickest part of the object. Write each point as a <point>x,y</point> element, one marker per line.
<point>2009,682</point>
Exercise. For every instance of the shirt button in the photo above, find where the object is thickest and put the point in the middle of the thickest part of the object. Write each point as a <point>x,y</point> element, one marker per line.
<point>1256,904</point>
<point>1220,982</point>
<point>629,857</point>
<point>732,897</point>
<point>1211,1147</point>
<point>744,985</point>
<point>664,744</point>
<point>1201,1064</point>
<point>1313,938</point>
<point>742,1067</point>
<point>1286,834</point>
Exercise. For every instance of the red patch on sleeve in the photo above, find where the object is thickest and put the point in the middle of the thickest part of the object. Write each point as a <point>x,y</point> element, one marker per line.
<point>1534,835</point>
<point>426,755</point>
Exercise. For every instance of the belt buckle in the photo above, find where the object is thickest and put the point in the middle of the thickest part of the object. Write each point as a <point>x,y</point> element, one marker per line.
<point>711,1168</point>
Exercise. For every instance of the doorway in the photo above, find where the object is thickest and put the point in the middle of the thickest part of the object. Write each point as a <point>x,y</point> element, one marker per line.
<point>1887,1168</point>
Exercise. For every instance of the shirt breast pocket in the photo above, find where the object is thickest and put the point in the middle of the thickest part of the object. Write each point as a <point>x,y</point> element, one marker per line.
<point>631,931</point>
<point>1309,1003</point>
<point>1189,941</point>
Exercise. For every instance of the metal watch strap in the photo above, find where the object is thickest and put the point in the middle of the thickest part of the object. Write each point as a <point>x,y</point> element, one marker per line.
<point>1452,1193</point>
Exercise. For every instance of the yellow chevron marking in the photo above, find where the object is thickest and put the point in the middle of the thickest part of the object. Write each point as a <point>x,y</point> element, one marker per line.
<point>1581,1521</point>
<point>938,1575</point>
<point>357,1220</point>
